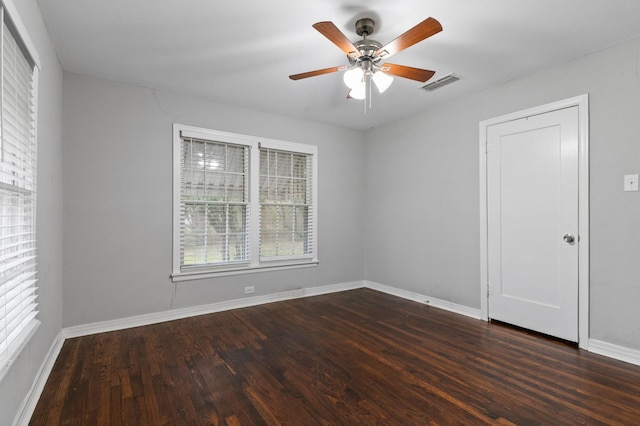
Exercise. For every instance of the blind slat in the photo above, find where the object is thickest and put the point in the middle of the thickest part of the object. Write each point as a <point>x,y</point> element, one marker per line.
<point>24,261</point>
<point>21,280</point>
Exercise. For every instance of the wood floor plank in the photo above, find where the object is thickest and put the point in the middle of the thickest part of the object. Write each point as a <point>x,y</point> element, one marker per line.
<point>356,357</point>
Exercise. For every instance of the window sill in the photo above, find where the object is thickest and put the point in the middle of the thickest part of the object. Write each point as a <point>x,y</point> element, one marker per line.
<point>238,270</point>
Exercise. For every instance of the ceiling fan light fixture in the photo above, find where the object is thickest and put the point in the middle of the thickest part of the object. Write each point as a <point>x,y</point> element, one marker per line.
<point>382,81</point>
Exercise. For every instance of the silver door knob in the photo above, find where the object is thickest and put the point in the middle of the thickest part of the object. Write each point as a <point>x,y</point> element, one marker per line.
<point>568,238</point>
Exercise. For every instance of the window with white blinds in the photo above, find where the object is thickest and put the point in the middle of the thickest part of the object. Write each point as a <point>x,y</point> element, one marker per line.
<point>286,204</point>
<point>214,207</point>
<point>18,305</point>
<point>241,204</point>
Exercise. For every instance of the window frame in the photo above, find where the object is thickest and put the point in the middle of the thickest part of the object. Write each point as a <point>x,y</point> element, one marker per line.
<point>10,17</point>
<point>254,264</point>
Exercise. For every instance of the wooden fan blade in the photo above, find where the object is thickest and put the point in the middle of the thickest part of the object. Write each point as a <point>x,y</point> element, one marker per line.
<point>315,73</point>
<point>330,31</point>
<point>412,73</point>
<point>423,30</point>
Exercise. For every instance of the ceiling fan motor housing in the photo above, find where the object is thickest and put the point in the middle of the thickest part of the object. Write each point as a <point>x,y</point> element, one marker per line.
<point>367,48</point>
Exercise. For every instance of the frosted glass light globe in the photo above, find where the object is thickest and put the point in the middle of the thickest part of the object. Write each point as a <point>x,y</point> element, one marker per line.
<point>359,92</point>
<point>382,81</point>
<point>353,78</point>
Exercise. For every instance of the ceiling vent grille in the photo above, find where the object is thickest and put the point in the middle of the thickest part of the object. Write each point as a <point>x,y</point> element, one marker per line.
<point>441,82</point>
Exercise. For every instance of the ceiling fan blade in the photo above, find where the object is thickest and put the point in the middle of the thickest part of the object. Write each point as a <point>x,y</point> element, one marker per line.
<point>315,73</point>
<point>412,73</point>
<point>423,30</point>
<point>330,31</point>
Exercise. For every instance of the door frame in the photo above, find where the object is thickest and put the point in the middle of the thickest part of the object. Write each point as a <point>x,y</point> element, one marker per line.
<point>582,102</point>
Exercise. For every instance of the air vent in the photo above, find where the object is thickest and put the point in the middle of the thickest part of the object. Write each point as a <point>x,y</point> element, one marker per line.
<point>442,81</point>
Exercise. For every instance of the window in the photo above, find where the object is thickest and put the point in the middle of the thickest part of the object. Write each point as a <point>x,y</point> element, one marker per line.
<point>18,307</point>
<point>215,207</point>
<point>285,203</point>
<point>241,204</point>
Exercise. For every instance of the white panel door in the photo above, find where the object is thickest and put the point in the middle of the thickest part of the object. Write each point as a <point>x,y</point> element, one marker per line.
<point>532,222</point>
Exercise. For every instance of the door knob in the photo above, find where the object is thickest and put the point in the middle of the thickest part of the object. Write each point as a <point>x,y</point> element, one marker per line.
<point>568,238</point>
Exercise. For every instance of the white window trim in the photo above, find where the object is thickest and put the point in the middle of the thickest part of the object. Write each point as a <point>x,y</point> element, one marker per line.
<point>254,264</point>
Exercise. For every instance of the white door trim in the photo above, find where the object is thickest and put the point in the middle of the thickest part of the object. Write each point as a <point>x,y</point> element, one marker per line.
<point>582,102</point>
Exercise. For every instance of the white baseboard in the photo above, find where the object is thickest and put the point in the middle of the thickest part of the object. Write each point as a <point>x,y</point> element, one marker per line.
<point>31,399</point>
<point>614,351</point>
<point>146,319</point>
<point>421,298</point>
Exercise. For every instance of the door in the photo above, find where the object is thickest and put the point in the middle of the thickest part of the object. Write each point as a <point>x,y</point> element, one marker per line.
<point>532,222</point>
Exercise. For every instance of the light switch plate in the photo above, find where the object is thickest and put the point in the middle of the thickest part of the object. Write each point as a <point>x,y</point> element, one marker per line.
<point>630,182</point>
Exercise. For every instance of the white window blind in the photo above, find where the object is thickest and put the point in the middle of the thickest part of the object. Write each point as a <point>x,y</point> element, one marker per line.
<point>215,203</point>
<point>18,306</point>
<point>286,208</point>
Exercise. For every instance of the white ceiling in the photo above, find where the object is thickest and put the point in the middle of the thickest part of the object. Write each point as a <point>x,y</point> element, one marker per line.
<point>241,52</point>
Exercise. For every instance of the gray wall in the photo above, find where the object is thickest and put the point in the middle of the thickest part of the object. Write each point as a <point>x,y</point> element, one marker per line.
<point>117,197</point>
<point>15,386</point>
<point>426,182</point>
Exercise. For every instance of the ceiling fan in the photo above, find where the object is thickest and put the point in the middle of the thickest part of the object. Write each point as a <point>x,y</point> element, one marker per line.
<point>367,57</point>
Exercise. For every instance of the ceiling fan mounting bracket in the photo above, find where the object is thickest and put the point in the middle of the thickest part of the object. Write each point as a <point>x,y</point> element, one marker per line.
<point>364,27</point>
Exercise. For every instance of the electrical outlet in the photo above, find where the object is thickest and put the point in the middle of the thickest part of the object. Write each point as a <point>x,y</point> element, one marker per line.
<point>630,182</point>
<point>249,290</point>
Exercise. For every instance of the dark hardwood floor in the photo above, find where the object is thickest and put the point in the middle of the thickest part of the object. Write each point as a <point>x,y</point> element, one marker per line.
<point>357,357</point>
